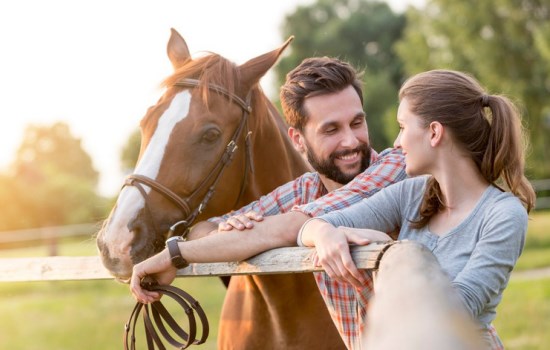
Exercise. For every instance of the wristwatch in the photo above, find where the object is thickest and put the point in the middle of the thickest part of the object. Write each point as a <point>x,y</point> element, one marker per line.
<point>175,255</point>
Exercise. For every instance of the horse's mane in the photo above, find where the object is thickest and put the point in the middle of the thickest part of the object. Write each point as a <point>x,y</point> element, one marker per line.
<point>215,69</point>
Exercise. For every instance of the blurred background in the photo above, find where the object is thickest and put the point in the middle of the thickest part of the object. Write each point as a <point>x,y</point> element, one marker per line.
<point>76,78</point>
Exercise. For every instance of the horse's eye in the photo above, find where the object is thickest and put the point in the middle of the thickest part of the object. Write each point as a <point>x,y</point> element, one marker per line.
<point>210,136</point>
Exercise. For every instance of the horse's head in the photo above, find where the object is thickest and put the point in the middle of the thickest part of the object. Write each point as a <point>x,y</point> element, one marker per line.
<point>187,151</point>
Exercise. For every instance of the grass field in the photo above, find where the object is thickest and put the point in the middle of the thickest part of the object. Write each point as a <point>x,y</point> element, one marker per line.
<point>91,314</point>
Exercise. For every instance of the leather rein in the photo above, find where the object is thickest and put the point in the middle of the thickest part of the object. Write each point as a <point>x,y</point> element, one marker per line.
<point>156,318</point>
<point>212,179</point>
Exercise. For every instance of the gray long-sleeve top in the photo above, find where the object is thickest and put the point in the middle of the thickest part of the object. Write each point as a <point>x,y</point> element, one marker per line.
<point>478,255</point>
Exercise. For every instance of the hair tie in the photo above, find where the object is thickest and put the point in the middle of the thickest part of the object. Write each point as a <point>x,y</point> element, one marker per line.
<point>485,100</point>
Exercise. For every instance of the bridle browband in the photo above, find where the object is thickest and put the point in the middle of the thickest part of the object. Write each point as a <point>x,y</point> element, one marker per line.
<point>212,179</point>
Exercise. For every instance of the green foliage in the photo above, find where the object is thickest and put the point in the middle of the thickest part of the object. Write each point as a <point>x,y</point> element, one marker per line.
<point>361,32</point>
<point>52,183</point>
<point>503,43</point>
<point>53,148</point>
<point>130,151</point>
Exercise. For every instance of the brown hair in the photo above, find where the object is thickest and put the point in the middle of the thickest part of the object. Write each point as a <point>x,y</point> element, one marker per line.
<point>488,128</point>
<point>313,77</point>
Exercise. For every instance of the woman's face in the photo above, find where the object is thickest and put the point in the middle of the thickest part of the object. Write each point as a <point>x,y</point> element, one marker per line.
<point>414,140</point>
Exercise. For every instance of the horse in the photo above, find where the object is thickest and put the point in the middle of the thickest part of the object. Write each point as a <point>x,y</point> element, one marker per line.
<point>212,143</point>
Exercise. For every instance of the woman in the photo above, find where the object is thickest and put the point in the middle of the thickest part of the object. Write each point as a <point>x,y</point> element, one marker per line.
<point>470,209</point>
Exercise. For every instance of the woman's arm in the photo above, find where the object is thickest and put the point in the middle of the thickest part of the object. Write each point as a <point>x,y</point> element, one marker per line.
<point>486,274</point>
<point>332,248</point>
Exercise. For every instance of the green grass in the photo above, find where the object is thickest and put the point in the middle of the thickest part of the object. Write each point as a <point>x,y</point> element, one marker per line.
<point>85,314</point>
<point>523,317</point>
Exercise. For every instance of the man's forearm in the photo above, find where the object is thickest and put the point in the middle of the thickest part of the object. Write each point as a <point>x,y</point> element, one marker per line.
<point>273,232</point>
<point>201,229</point>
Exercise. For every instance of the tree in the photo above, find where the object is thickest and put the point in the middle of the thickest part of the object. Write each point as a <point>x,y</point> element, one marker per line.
<point>53,181</point>
<point>130,151</point>
<point>503,43</point>
<point>361,32</point>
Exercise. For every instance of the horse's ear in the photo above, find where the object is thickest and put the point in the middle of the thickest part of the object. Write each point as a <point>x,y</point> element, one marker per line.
<point>252,70</point>
<point>177,49</point>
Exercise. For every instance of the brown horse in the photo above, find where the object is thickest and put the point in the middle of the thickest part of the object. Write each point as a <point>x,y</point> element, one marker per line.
<point>212,143</point>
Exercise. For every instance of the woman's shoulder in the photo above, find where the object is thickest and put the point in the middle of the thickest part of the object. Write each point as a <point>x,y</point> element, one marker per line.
<point>415,183</point>
<point>503,204</point>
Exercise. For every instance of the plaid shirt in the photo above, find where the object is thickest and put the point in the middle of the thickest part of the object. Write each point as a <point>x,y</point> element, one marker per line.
<point>347,306</point>
<point>308,194</point>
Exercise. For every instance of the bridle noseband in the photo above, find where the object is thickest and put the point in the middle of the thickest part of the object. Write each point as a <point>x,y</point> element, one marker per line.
<point>212,179</point>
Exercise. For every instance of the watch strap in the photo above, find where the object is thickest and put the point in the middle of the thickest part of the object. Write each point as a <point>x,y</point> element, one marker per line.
<point>175,255</point>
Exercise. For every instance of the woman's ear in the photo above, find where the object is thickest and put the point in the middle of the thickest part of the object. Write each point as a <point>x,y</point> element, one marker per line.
<point>297,139</point>
<point>436,133</point>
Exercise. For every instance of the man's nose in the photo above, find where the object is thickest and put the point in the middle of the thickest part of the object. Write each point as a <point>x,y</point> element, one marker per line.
<point>349,139</point>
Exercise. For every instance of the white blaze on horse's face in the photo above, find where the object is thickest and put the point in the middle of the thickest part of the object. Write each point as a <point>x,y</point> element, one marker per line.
<point>117,236</point>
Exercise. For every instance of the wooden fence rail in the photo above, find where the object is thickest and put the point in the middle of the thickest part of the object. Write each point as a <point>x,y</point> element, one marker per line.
<point>415,306</point>
<point>282,260</point>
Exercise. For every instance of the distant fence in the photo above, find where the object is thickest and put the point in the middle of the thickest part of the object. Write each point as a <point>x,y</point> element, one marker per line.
<point>45,233</point>
<point>47,236</point>
<point>542,188</point>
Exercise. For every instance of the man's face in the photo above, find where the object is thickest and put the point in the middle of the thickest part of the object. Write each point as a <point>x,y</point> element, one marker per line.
<point>335,137</point>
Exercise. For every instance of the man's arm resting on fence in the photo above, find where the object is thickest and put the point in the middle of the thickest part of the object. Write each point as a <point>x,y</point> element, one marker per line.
<point>273,232</point>
<point>202,229</point>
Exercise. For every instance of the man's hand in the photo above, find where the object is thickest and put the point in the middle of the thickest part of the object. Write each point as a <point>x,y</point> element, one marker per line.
<point>160,268</point>
<point>240,222</point>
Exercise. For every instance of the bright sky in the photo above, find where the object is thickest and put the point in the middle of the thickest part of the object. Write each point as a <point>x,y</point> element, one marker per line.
<point>97,65</point>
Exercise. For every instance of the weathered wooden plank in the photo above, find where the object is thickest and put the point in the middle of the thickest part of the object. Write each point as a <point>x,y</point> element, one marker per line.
<point>281,260</point>
<point>52,269</point>
<point>414,297</point>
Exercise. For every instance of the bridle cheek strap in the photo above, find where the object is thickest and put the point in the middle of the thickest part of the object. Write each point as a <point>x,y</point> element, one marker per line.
<point>213,178</point>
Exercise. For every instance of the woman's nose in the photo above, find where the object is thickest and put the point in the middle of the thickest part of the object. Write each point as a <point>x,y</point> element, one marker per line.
<point>397,142</point>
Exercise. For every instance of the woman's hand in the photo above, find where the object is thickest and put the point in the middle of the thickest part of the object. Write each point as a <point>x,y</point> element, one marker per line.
<point>158,267</point>
<point>240,222</point>
<point>333,253</point>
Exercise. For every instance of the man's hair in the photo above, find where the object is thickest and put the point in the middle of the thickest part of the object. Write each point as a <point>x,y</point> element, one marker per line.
<point>313,77</point>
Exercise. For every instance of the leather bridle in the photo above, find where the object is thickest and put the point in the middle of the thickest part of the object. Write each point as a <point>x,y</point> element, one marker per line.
<point>212,179</point>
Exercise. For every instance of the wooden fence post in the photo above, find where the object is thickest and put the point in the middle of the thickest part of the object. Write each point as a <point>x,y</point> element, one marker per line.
<point>415,306</point>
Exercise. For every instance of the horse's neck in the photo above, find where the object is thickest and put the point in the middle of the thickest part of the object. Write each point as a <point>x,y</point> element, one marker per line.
<point>276,161</point>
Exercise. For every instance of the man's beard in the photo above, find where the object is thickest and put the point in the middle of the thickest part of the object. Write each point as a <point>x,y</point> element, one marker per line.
<point>328,167</point>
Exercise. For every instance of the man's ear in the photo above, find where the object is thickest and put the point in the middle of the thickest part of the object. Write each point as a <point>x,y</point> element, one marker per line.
<point>297,139</point>
<point>436,133</point>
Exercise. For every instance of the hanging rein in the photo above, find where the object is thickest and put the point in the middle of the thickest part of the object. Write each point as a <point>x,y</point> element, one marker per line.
<point>211,180</point>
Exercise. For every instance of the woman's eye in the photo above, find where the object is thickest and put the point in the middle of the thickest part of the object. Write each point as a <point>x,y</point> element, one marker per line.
<point>210,136</point>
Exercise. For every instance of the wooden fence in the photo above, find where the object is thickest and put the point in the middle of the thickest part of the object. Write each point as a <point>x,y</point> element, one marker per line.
<point>542,188</point>
<point>413,308</point>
